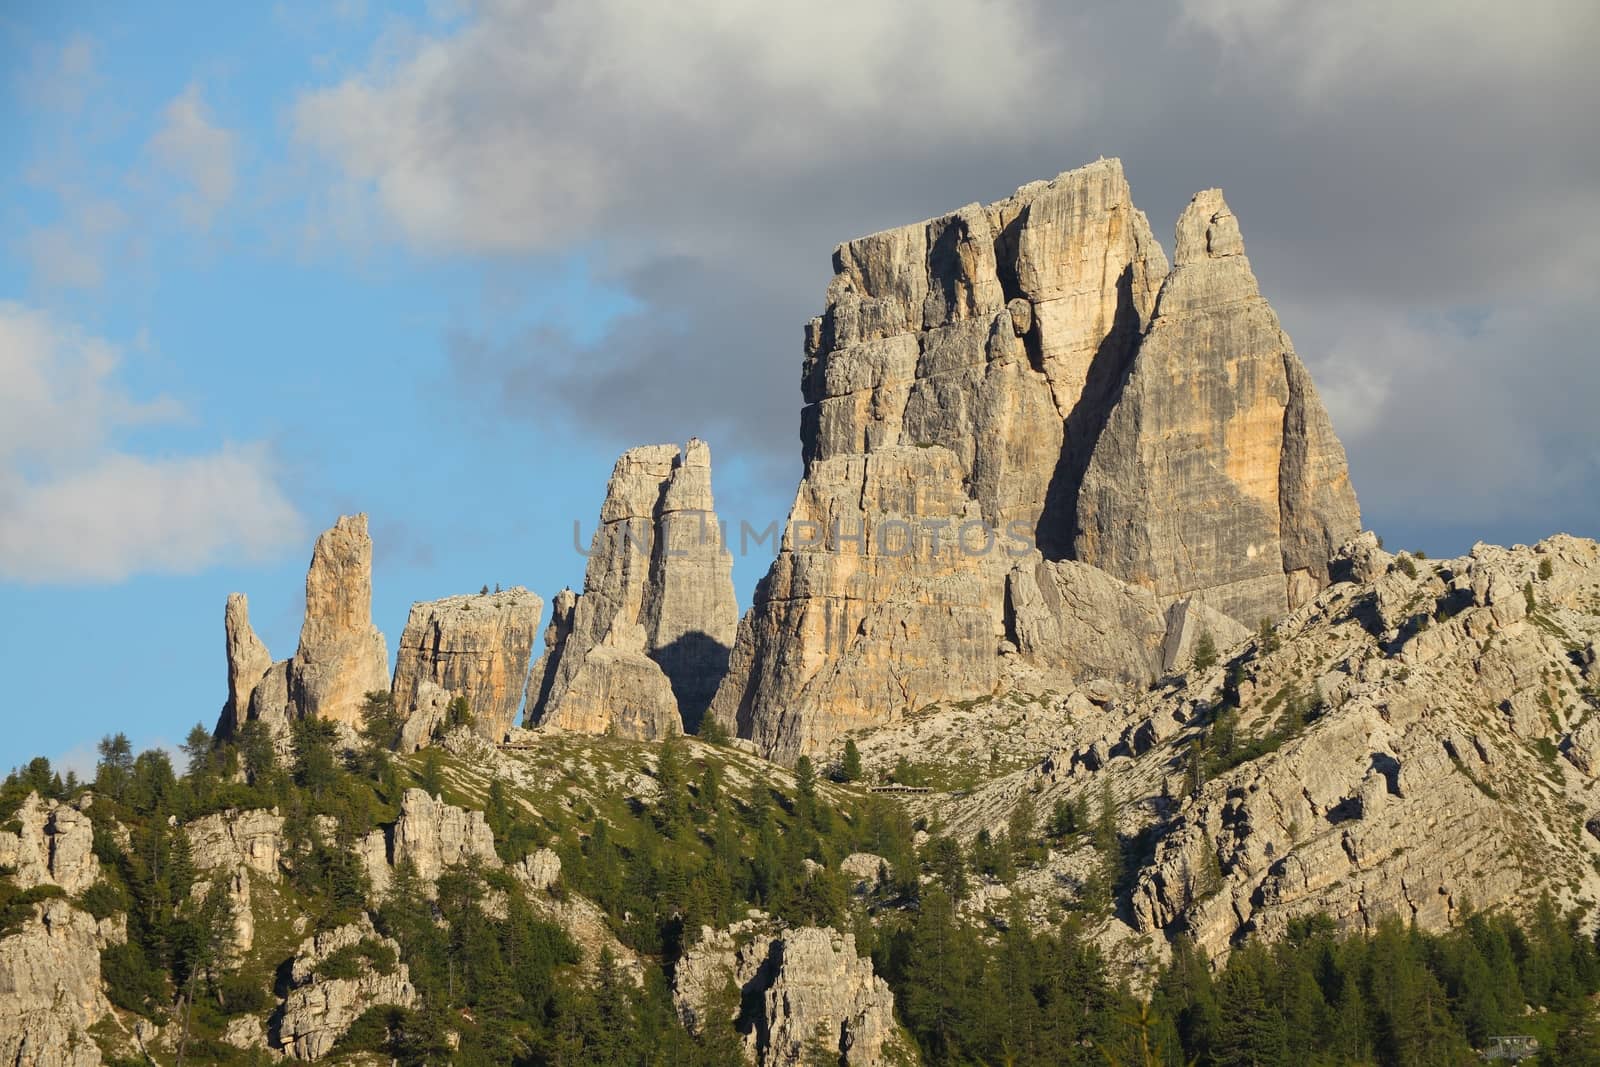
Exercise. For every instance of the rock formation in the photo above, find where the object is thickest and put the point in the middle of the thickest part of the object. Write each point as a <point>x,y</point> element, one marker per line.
<point>229,846</point>
<point>475,646</point>
<point>431,835</point>
<point>1217,475</point>
<point>53,845</point>
<point>341,657</point>
<point>248,662</point>
<point>50,986</point>
<point>641,650</point>
<point>318,1010</point>
<point>250,839</point>
<point>961,386</point>
<point>810,985</point>
<point>1420,736</point>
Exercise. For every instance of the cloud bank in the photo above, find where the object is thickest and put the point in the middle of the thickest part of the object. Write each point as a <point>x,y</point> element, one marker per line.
<point>1398,170</point>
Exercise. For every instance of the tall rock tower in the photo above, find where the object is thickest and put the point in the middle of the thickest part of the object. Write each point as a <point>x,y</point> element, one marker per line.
<point>641,650</point>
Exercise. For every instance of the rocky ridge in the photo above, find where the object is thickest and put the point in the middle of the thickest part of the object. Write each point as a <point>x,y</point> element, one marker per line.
<point>1415,739</point>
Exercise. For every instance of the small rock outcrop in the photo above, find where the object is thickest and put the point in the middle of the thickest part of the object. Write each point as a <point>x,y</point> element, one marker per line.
<point>475,646</point>
<point>228,847</point>
<point>53,845</point>
<point>641,651</point>
<point>50,986</point>
<point>812,988</point>
<point>342,656</point>
<point>988,396</point>
<point>319,1009</point>
<point>431,835</point>
<point>251,839</point>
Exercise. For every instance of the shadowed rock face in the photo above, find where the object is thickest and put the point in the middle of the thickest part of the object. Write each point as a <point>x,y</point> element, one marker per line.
<point>475,646</point>
<point>644,646</point>
<point>1008,367</point>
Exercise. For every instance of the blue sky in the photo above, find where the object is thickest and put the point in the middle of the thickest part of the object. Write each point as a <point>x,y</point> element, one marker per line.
<point>440,262</point>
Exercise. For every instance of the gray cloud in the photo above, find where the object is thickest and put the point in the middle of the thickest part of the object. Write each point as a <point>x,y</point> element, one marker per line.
<point>1413,181</point>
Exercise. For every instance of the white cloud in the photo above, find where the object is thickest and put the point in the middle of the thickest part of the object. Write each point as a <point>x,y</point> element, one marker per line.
<point>199,153</point>
<point>76,507</point>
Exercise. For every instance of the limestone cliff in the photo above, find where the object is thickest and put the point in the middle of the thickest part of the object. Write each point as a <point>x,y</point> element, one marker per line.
<point>961,386</point>
<point>477,647</point>
<point>643,647</point>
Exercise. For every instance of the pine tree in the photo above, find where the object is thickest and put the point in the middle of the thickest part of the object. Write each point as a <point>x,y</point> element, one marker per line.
<point>850,762</point>
<point>1250,1030</point>
<point>115,766</point>
<point>939,975</point>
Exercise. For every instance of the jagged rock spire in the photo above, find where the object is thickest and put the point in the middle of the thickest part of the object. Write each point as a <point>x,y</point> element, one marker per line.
<point>1217,475</point>
<point>642,649</point>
